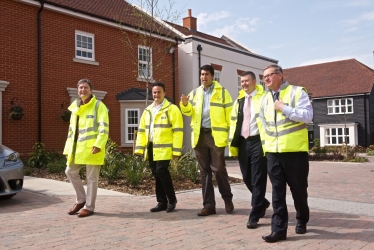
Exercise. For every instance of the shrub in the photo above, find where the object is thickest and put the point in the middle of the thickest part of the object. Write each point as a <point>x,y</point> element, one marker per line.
<point>113,162</point>
<point>39,157</point>
<point>370,152</point>
<point>135,169</point>
<point>56,167</point>
<point>186,166</point>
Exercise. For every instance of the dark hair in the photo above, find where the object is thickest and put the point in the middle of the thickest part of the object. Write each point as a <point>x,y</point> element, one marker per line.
<point>276,67</point>
<point>246,73</point>
<point>159,84</point>
<point>85,81</point>
<point>207,68</point>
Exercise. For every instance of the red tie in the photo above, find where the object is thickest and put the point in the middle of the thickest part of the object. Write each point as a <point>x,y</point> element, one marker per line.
<point>246,118</point>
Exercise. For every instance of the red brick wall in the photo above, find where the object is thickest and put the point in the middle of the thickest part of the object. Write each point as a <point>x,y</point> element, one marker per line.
<point>18,65</point>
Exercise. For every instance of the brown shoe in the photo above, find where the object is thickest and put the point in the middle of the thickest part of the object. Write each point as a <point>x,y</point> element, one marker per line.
<point>229,206</point>
<point>85,213</point>
<point>76,208</point>
<point>206,212</point>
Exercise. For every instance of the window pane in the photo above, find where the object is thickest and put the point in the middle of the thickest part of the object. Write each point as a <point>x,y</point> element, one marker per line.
<point>84,45</point>
<point>337,110</point>
<point>79,44</point>
<point>89,55</point>
<point>333,131</point>
<point>347,131</point>
<point>84,53</point>
<point>349,109</point>
<point>89,40</point>
<point>79,53</point>
<point>336,102</point>
<point>329,103</point>
<point>90,45</point>
<point>79,38</point>
<point>342,102</point>
<point>340,131</point>
<point>331,110</point>
<point>340,140</point>
<point>84,39</point>
<point>327,131</point>
<point>333,140</point>
<point>349,101</point>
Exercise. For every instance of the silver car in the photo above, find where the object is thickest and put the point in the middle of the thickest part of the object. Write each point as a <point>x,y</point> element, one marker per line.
<point>11,172</point>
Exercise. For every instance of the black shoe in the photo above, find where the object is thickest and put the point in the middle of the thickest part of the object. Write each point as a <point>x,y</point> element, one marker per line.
<point>264,207</point>
<point>229,207</point>
<point>300,229</point>
<point>274,237</point>
<point>160,207</point>
<point>252,224</point>
<point>171,207</point>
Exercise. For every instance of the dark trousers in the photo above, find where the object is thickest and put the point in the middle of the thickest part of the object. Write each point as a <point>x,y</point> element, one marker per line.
<point>211,159</point>
<point>253,165</point>
<point>164,185</point>
<point>292,169</point>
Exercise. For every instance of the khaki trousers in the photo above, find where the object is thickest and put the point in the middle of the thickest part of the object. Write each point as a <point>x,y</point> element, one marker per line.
<point>92,174</point>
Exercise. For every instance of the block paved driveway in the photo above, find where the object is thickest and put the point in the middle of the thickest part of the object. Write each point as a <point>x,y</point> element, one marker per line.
<point>341,198</point>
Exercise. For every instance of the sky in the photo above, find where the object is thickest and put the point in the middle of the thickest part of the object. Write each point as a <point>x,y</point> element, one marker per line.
<point>294,32</point>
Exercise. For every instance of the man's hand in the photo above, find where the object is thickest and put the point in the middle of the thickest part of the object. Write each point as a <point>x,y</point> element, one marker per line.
<point>95,150</point>
<point>185,99</point>
<point>278,105</point>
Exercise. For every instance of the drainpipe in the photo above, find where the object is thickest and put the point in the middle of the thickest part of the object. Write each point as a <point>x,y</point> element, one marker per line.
<point>171,51</point>
<point>40,73</point>
<point>199,49</point>
<point>366,134</point>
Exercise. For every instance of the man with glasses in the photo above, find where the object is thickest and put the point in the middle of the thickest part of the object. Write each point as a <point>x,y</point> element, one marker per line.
<point>284,112</point>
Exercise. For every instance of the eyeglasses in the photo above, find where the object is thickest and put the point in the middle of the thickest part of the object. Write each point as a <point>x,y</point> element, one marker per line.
<point>269,75</point>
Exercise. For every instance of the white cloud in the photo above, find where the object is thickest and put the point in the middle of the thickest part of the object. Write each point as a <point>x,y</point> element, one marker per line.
<point>240,26</point>
<point>204,18</point>
<point>276,46</point>
<point>351,29</point>
<point>367,16</point>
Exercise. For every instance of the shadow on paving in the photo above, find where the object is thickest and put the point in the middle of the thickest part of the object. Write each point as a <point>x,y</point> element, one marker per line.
<point>27,201</point>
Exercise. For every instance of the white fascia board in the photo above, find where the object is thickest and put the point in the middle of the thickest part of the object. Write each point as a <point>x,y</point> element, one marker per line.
<point>338,96</point>
<point>240,44</point>
<point>89,18</point>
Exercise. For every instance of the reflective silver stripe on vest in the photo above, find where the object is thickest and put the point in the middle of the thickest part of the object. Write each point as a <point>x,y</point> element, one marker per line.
<point>95,114</point>
<point>147,126</point>
<point>162,145</point>
<point>263,142</point>
<point>220,129</point>
<point>286,131</point>
<point>140,147</point>
<point>177,149</point>
<point>86,138</point>
<point>177,129</point>
<point>233,118</point>
<point>85,130</point>
<point>70,136</point>
<point>162,125</point>
<point>257,115</point>
<point>293,96</point>
<point>141,130</point>
<point>228,105</point>
<point>103,124</point>
<point>281,122</point>
<point>230,140</point>
<point>217,104</point>
<point>103,131</point>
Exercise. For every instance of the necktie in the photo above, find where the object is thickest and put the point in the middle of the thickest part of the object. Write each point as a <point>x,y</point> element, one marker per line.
<point>246,118</point>
<point>275,96</point>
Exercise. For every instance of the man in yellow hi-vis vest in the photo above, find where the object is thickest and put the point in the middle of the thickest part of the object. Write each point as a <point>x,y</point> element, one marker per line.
<point>161,134</point>
<point>210,107</point>
<point>284,112</point>
<point>85,146</point>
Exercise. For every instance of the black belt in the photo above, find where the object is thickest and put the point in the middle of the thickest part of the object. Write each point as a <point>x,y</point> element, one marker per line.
<point>251,138</point>
<point>207,130</point>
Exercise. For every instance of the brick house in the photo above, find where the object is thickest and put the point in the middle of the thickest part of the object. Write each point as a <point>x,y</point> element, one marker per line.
<point>48,45</point>
<point>343,100</point>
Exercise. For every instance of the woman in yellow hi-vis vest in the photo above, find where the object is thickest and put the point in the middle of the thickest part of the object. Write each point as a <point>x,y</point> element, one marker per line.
<point>284,112</point>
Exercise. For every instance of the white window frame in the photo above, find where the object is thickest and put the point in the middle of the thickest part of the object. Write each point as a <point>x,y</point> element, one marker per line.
<point>217,75</point>
<point>325,131</point>
<point>127,125</point>
<point>145,63</point>
<point>82,49</point>
<point>335,106</point>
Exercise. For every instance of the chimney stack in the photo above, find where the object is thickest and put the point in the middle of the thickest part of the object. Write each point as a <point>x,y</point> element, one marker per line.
<point>190,22</point>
